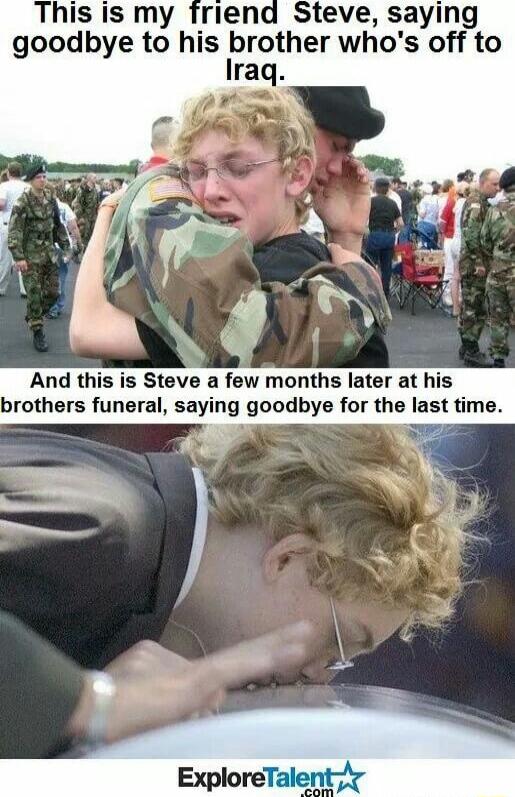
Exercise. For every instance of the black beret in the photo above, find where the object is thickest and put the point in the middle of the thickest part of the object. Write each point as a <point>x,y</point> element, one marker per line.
<point>507,178</point>
<point>34,171</point>
<point>344,110</point>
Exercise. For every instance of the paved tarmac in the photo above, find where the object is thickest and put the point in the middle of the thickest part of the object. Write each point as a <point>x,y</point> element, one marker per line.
<point>425,340</point>
<point>16,349</point>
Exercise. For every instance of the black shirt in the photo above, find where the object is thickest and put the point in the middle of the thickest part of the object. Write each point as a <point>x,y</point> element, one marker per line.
<point>383,213</point>
<point>407,204</point>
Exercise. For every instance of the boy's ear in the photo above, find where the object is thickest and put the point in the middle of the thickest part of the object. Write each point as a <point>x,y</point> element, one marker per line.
<point>286,553</point>
<point>301,176</point>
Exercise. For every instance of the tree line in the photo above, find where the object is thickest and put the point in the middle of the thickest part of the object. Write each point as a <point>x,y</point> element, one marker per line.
<point>28,159</point>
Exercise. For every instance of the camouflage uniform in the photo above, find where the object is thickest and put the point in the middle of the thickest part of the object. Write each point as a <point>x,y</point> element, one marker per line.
<point>31,238</point>
<point>498,240</point>
<point>70,194</point>
<point>473,307</point>
<point>60,190</point>
<point>192,280</point>
<point>85,206</point>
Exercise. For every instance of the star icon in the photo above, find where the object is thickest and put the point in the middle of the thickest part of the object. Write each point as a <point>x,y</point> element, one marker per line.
<point>351,776</point>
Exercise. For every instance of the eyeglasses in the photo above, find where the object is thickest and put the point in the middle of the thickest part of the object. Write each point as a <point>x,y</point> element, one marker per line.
<point>343,663</point>
<point>231,169</point>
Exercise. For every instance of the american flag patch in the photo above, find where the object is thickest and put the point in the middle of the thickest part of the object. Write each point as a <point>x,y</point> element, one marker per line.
<point>167,189</point>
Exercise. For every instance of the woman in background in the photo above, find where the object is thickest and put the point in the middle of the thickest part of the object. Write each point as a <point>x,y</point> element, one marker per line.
<point>384,222</point>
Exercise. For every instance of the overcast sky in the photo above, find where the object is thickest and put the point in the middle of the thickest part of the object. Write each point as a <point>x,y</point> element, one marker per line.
<point>444,112</point>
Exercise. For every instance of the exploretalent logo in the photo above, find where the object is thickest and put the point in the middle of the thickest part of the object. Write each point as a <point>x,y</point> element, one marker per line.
<point>314,783</point>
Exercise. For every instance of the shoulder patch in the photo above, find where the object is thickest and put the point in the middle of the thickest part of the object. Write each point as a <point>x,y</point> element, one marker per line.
<point>164,188</point>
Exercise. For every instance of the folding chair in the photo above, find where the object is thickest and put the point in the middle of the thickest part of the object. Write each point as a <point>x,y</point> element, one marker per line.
<point>421,275</point>
<point>396,280</point>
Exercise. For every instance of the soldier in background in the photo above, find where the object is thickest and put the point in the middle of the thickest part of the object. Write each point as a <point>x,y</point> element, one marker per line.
<point>60,189</point>
<point>498,241</point>
<point>473,267</point>
<point>163,132</point>
<point>33,229</point>
<point>71,191</point>
<point>85,206</point>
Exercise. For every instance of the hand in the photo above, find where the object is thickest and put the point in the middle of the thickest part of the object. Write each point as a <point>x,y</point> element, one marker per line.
<point>343,203</point>
<point>480,271</point>
<point>146,658</point>
<point>22,266</point>
<point>162,688</point>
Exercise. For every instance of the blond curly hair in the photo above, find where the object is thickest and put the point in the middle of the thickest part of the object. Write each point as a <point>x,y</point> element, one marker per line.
<point>275,116</point>
<point>389,526</point>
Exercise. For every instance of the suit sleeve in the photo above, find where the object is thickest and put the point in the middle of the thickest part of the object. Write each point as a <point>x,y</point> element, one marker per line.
<point>81,531</point>
<point>193,281</point>
<point>39,690</point>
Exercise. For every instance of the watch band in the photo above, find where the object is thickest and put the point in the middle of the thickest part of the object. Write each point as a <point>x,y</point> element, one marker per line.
<point>104,690</point>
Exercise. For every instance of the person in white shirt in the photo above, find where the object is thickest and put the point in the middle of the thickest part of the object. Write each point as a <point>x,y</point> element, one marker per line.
<point>69,222</point>
<point>429,206</point>
<point>9,193</point>
<point>428,212</point>
<point>396,198</point>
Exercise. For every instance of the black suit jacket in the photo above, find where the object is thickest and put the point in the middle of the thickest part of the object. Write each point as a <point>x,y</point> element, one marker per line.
<point>94,540</point>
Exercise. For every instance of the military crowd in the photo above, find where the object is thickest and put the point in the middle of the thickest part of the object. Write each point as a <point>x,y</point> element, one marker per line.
<point>47,224</point>
<point>487,267</point>
<point>473,221</point>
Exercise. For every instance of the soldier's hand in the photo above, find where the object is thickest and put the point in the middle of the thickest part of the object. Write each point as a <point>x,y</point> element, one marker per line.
<point>343,203</point>
<point>480,271</point>
<point>22,266</point>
